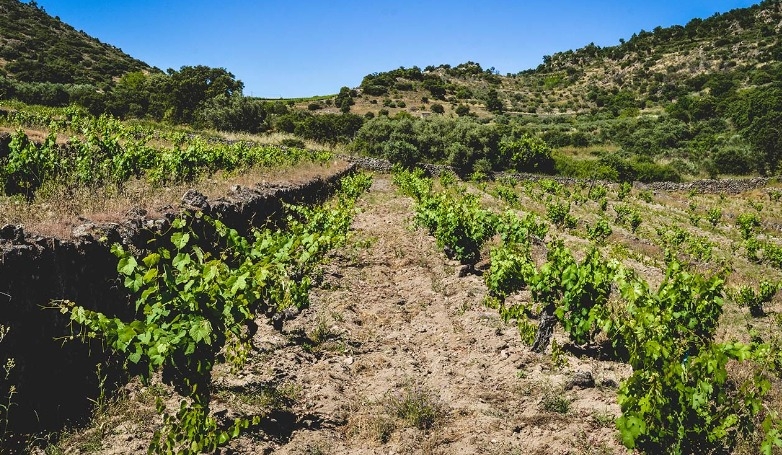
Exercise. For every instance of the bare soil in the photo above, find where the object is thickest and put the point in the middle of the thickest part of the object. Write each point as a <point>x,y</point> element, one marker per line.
<point>405,325</point>
<point>57,209</point>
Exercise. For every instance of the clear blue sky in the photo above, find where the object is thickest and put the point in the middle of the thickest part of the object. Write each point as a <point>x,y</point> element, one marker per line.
<point>297,48</point>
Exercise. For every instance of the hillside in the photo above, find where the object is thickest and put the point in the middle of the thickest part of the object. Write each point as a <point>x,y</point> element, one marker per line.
<point>35,47</point>
<point>688,101</point>
<point>694,100</point>
<point>737,49</point>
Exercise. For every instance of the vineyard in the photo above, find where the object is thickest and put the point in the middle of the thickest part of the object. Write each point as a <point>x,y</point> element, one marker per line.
<point>408,313</point>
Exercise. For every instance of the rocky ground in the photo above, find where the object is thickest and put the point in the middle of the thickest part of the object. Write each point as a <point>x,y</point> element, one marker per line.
<point>397,354</point>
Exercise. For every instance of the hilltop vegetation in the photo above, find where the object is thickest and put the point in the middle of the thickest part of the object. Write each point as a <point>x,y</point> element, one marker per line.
<point>45,61</point>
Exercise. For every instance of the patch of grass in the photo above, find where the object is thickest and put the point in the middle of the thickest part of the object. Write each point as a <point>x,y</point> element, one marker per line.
<point>554,400</point>
<point>322,336</point>
<point>260,397</point>
<point>417,405</point>
<point>366,424</point>
<point>604,419</point>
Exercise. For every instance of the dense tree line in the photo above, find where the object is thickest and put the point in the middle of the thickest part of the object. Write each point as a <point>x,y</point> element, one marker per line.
<point>197,95</point>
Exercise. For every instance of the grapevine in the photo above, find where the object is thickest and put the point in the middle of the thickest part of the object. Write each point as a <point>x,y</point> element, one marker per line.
<point>195,306</point>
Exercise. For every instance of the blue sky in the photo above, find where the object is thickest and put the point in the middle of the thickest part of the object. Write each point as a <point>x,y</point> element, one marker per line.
<point>302,48</point>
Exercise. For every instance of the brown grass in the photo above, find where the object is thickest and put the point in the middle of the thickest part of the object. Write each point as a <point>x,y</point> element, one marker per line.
<point>57,209</point>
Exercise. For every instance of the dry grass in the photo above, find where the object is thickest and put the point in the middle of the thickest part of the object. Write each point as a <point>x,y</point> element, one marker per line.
<point>277,138</point>
<point>37,135</point>
<point>57,209</point>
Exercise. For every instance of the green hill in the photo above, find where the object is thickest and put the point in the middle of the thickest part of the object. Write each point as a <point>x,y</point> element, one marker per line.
<point>703,98</point>
<point>36,47</point>
<point>697,99</point>
<point>734,50</point>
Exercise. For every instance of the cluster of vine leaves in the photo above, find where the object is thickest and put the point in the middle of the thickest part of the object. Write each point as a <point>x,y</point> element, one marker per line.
<point>194,307</point>
<point>679,399</point>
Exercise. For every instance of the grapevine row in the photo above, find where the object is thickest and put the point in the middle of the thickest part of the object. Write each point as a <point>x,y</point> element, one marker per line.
<point>103,150</point>
<point>680,398</point>
<point>195,305</point>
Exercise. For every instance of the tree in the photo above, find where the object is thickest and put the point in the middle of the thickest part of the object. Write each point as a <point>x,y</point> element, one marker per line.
<point>493,103</point>
<point>236,113</point>
<point>462,110</point>
<point>437,108</point>
<point>191,86</point>
<point>344,99</point>
<point>765,136</point>
<point>526,154</point>
<point>435,85</point>
<point>130,96</point>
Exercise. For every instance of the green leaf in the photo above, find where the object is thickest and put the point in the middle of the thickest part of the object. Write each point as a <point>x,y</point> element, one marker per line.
<point>630,428</point>
<point>180,261</point>
<point>152,259</point>
<point>180,239</point>
<point>149,276</point>
<point>127,265</point>
<point>125,335</point>
<point>134,283</point>
<point>135,356</point>
<point>201,331</point>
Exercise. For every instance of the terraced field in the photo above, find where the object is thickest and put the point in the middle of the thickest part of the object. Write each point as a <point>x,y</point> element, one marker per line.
<point>400,350</point>
<point>285,305</point>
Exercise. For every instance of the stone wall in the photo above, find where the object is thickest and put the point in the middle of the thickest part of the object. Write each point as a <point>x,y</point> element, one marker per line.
<point>714,186</point>
<point>55,376</point>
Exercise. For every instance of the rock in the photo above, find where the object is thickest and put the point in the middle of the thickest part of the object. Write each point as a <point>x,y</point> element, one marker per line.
<point>195,199</point>
<point>83,231</point>
<point>12,232</point>
<point>136,212</point>
<point>582,379</point>
<point>609,384</point>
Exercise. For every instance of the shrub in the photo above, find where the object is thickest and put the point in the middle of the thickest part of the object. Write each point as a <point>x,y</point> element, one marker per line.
<point>527,154</point>
<point>747,222</point>
<point>735,160</point>
<point>600,231</point>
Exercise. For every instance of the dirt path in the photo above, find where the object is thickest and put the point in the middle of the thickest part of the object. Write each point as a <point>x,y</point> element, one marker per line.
<point>397,354</point>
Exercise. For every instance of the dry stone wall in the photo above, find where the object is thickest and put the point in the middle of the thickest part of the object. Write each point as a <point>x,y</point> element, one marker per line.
<point>712,186</point>
<point>55,377</point>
